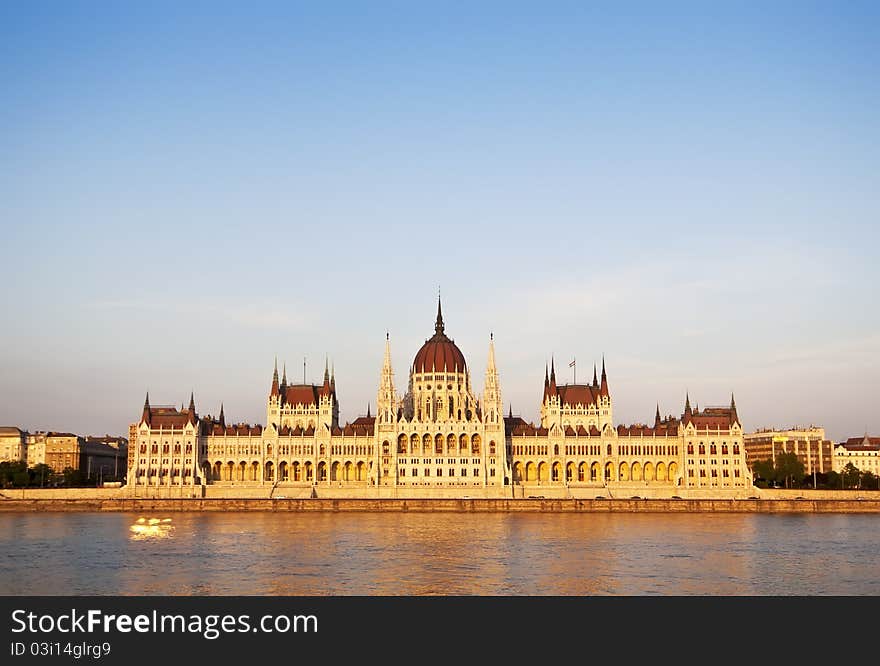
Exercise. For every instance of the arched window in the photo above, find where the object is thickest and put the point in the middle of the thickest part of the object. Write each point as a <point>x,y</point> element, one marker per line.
<point>702,449</point>
<point>690,449</point>
<point>736,449</point>
<point>713,449</point>
<point>724,449</point>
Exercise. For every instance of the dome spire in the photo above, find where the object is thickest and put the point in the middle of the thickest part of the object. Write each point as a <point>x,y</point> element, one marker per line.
<point>438,325</point>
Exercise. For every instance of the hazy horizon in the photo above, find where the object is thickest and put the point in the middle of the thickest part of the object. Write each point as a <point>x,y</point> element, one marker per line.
<point>690,190</point>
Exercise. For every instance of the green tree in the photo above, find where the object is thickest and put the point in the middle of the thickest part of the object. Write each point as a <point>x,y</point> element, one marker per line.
<point>8,471</point>
<point>851,476</point>
<point>764,470</point>
<point>41,474</point>
<point>869,481</point>
<point>833,481</point>
<point>72,477</point>
<point>789,469</point>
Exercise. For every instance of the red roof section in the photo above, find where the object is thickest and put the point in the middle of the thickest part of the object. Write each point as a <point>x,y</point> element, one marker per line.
<point>711,418</point>
<point>168,417</point>
<point>858,443</point>
<point>301,394</point>
<point>577,394</point>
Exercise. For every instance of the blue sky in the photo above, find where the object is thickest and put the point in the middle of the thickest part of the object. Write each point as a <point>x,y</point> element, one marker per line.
<point>690,189</point>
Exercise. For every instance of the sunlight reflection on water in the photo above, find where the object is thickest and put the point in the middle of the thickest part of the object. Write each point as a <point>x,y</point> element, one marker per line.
<point>151,528</point>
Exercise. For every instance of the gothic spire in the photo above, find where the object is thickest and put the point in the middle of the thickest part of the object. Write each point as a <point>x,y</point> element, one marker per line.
<point>146,415</point>
<point>595,381</point>
<point>438,325</point>
<point>275,389</point>
<point>192,408</point>
<point>657,416</point>
<point>687,404</point>
<point>368,410</point>
<point>491,365</point>
<point>223,418</point>
<point>603,388</point>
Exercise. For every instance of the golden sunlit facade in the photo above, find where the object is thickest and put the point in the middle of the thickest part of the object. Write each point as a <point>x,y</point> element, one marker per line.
<point>440,438</point>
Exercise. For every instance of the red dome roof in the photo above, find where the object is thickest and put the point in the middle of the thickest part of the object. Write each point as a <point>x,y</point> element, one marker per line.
<point>439,353</point>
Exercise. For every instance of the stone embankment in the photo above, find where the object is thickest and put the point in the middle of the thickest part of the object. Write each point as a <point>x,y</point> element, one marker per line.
<point>154,506</point>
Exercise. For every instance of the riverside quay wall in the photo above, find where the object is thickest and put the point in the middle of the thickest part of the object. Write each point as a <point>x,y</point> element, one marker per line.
<point>865,503</point>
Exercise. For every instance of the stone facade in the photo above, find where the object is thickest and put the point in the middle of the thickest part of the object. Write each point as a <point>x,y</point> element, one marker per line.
<point>862,452</point>
<point>13,444</point>
<point>442,438</point>
<point>63,450</point>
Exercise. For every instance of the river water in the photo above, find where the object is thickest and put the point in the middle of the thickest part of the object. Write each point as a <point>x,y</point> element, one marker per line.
<point>439,554</point>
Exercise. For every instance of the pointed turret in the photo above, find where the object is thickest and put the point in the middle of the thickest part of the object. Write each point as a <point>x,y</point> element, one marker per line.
<point>333,378</point>
<point>551,387</point>
<point>326,370</point>
<point>223,418</point>
<point>438,325</point>
<point>493,405</point>
<point>510,411</point>
<point>490,366</point>
<point>687,405</point>
<point>386,401</point>
<point>734,417</point>
<point>275,390</point>
<point>657,416</point>
<point>603,387</point>
<point>595,380</point>
<point>192,409</point>
<point>368,410</point>
<point>546,383</point>
<point>145,418</point>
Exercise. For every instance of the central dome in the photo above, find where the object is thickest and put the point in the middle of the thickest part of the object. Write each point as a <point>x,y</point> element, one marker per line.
<point>439,353</point>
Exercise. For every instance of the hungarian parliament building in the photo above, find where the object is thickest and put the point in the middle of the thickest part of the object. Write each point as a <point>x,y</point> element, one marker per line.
<point>442,439</point>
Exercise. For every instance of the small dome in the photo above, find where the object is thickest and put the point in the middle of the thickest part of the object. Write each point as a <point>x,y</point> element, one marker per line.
<point>439,353</point>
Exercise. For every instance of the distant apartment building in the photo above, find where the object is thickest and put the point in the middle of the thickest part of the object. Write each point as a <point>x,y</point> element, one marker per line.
<point>36,448</point>
<point>862,452</point>
<point>13,444</point>
<point>63,450</point>
<point>809,444</point>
